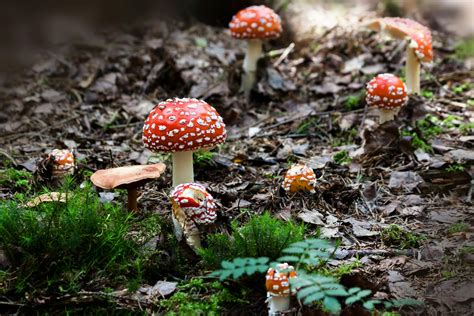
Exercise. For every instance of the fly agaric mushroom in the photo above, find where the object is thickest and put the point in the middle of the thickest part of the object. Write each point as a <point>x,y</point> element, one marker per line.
<point>62,163</point>
<point>254,24</point>
<point>278,288</point>
<point>182,126</point>
<point>192,206</point>
<point>299,178</point>
<point>388,93</point>
<point>419,50</point>
<point>130,178</point>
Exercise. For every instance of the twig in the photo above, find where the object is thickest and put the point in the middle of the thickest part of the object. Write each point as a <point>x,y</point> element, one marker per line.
<point>285,54</point>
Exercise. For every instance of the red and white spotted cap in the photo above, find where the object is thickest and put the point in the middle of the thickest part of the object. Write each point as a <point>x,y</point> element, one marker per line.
<point>277,280</point>
<point>299,178</point>
<point>183,125</point>
<point>63,159</point>
<point>196,202</point>
<point>258,22</point>
<point>386,91</point>
<point>419,35</point>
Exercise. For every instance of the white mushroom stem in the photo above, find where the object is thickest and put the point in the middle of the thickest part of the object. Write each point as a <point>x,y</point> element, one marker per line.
<point>278,304</point>
<point>182,167</point>
<point>386,115</point>
<point>254,51</point>
<point>412,71</point>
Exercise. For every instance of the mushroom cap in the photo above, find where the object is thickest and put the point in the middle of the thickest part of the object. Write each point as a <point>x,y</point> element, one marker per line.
<point>195,201</point>
<point>299,178</point>
<point>420,35</point>
<point>386,91</point>
<point>255,22</point>
<point>126,177</point>
<point>63,159</point>
<point>183,125</point>
<point>277,280</point>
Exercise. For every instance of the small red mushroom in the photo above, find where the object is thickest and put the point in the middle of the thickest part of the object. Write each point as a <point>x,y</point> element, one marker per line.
<point>192,206</point>
<point>254,24</point>
<point>62,163</point>
<point>278,287</point>
<point>299,178</point>
<point>388,93</point>
<point>182,126</point>
<point>419,50</point>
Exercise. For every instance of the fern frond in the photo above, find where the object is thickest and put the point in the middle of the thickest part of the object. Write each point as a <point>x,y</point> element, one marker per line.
<point>241,266</point>
<point>309,251</point>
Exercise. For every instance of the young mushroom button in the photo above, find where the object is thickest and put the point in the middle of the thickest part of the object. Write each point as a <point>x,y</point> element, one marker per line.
<point>192,206</point>
<point>388,93</point>
<point>254,24</point>
<point>181,126</point>
<point>299,178</point>
<point>278,288</point>
<point>420,48</point>
<point>63,162</point>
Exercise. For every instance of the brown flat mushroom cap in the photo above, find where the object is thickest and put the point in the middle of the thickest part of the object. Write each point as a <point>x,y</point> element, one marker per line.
<point>126,177</point>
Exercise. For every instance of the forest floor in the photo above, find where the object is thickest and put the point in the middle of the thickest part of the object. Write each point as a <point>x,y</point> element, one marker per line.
<point>308,106</point>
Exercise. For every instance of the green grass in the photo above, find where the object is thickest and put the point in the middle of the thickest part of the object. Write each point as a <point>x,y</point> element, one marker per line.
<point>262,236</point>
<point>306,125</point>
<point>458,228</point>
<point>395,236</point>
<point>63,247</point>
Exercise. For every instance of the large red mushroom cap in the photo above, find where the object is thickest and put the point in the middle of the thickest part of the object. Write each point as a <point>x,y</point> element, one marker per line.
<point>195,201</point>
<point>401,28</point>
<point>386,91</point>
<point>183,125</point>
<point>255,22</point>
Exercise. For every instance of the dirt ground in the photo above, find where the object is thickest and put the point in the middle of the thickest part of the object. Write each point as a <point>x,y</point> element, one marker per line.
<point>94,97</point>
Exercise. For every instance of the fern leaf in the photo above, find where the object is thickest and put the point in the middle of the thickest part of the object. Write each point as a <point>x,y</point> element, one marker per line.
<point>289,259</point>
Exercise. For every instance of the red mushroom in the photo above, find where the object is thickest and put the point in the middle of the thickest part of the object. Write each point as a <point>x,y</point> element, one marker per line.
<point>388,93</point>
<point>299,178</point>
<point>278,288</point>
<point>254,24</point>
<point>419,50</point>
<point>181,126</point>
<point>63,163</point>
<point>192,206</point>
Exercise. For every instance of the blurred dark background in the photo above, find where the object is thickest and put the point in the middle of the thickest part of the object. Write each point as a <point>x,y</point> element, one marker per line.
<point>30,27</point>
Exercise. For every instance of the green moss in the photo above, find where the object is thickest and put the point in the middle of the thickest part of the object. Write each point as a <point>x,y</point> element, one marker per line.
<point>342,157</point>
<point>427,94</point>
<point>465,49</point>
<point>341,270</point>
<point>198,297</point>
<point>16,180</point>
<point>203,158</point>
<point>457,167</point>
<point>262,236</point>
<point>62,247</point>
<point>354,101</point>
<point>395,236</point>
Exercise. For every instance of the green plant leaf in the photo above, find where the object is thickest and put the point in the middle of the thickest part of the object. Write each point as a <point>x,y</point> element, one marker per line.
<point>313,298</point>
<point>352,299</point>
<point>288,259</point>
<point>332,304</point>
<point>307,291</point>
<point>337,292</point>
<point>353,290</point>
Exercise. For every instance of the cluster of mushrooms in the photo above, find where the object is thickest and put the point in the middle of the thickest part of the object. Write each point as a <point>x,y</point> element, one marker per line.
<point>181,126</point>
